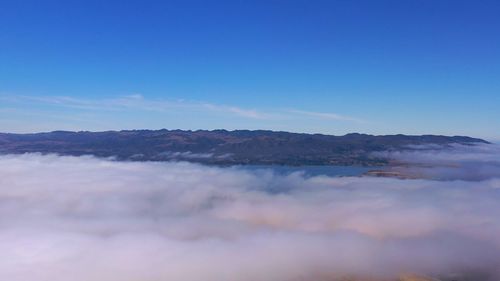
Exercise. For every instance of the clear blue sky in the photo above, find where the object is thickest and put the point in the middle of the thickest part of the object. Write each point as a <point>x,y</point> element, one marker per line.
<point>380,67</point>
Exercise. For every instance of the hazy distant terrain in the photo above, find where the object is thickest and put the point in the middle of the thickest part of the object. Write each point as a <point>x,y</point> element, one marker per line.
<point>224,147</point>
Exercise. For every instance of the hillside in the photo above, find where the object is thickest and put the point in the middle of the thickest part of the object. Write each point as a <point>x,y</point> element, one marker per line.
<point>221,146</point>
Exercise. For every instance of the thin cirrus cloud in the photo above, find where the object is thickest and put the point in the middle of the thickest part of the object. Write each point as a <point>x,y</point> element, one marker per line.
<point>137,102</point>
<point>325,115</point>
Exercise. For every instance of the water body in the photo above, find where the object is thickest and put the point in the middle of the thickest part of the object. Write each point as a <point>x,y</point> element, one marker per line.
<point>311,171</point>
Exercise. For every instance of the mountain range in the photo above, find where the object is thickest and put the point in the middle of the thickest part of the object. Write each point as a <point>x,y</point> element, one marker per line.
<point>223,147</point>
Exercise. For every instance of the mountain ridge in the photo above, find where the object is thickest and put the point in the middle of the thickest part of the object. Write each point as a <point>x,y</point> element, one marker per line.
<point>223,146</point>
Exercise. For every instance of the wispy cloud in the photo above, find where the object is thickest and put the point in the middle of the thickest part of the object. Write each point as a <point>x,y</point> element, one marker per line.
<point>242,112</point>
<point>325,115</point>
<point>139,103</point>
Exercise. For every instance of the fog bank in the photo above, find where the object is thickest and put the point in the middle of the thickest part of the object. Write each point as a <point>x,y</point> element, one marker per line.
<point>452,162</point>
<point>88,219</point>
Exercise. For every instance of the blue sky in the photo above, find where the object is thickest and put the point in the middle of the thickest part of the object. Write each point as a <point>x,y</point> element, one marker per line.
<point>379,67</point>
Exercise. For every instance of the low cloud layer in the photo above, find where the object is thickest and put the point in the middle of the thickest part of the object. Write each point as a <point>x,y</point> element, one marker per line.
<point>88,219</point>
<point>452,162</point>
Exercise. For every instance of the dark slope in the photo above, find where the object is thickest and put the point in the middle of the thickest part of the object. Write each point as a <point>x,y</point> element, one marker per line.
<point>221,146</point>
